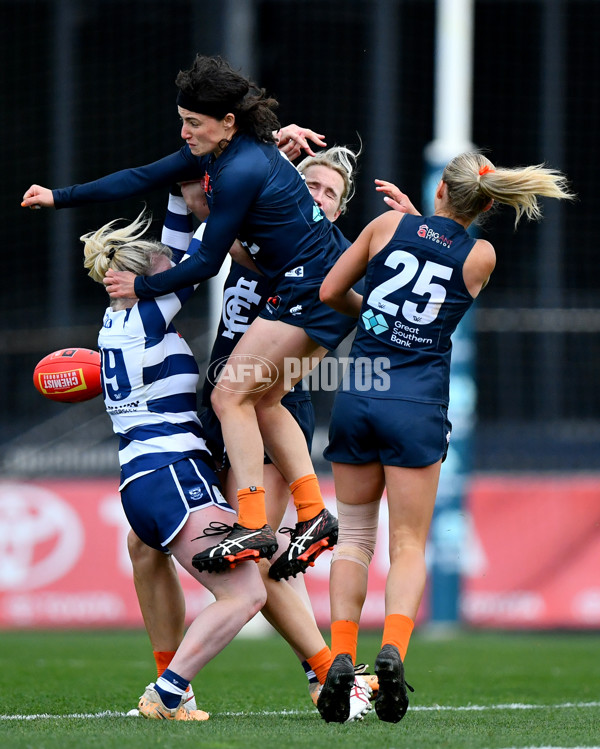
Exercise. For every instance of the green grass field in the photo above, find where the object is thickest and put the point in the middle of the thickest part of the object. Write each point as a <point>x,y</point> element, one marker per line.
<point>73,689</point>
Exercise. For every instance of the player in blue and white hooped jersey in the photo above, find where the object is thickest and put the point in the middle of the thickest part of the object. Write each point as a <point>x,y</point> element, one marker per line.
<point>391,432</point>
<point>169,491</point>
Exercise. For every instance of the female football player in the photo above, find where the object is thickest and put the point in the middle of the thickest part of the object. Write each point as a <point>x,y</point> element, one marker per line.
<point>421,276</point>
<point>169,490</point>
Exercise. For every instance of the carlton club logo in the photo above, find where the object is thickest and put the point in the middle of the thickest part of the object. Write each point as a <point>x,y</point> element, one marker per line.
<point>41,537</point>
<point>237,302</point>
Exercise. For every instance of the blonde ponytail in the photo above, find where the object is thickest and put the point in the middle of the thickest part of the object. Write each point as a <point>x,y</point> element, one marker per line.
<point>473,180</point>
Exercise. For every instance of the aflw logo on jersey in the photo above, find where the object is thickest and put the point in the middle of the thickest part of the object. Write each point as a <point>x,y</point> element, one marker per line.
<point>433,236</point>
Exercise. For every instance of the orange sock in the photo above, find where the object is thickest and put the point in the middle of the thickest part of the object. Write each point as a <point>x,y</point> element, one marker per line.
<point>162,658</point>
<point>251,509</point>
<point>307,497</point>
<point>344,638</point>
<point>397,630</point>
<point>320,663</point>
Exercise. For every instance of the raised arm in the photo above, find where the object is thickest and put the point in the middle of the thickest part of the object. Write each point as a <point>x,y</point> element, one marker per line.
<point>178,227</point>
<point>293,139</point>
<point>336,289</point>
<point>127,183</point>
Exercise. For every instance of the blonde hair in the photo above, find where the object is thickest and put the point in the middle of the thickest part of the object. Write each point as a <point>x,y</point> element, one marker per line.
<point>343,161</point>
<point>472,180</point>
<point>121,249</point>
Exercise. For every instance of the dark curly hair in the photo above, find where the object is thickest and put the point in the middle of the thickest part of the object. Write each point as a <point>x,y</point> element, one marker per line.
<point>211,86</point>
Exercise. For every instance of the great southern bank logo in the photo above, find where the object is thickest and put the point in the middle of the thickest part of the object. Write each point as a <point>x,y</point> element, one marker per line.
<point>374,322</point>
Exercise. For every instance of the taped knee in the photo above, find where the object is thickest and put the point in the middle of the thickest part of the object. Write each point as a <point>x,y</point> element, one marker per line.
<point>357,532</point>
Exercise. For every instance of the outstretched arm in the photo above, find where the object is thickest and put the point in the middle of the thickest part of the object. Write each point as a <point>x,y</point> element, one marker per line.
<point>127,183</point>
<point>38,197</point>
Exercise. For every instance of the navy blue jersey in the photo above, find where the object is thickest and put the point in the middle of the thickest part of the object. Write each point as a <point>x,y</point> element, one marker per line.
<point>256,194</point>
<point>414,298</point>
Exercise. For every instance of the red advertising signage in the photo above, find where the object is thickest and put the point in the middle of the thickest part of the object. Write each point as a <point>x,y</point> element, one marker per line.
<point>535,553</point>
<point>531,556</point>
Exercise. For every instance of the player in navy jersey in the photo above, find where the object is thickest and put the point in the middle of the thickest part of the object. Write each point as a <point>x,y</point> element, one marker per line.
<point>255,194</point>
<point>259,197</point>
<point>389,427</point>
<point>329,177</point>
<point>169,490</point>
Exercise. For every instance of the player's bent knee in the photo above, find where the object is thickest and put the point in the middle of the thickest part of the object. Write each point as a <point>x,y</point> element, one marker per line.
<point>257,599</point>
<point>216,401</point>
<point>135,546</point>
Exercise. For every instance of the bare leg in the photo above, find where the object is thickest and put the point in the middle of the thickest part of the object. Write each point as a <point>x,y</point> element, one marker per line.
<point>239,595</point>
<point>411,499</point>
<point>354,485</point>
<point>159,593</point>
<point>238,403</point>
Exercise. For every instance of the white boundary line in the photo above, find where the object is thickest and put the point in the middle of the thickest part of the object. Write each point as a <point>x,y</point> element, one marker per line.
<point>416,708</point>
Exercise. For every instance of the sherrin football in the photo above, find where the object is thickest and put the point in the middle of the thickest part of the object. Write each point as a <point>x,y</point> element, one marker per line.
<point>70,375</point>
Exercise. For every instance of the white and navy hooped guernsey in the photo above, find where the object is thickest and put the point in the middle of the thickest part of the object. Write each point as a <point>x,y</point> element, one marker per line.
<point>149,381</point>
<point>149,378</point>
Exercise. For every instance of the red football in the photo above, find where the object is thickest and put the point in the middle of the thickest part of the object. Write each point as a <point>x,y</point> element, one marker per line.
<point>70,375</point>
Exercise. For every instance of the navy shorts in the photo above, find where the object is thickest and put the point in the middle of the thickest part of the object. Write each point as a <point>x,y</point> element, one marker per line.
<point>389,431</point>
<point>301,409</point>
<point>157,504</point>
<point>297,303</point>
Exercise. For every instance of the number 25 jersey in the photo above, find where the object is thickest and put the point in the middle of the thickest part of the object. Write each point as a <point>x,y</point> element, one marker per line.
<point>414,298</point>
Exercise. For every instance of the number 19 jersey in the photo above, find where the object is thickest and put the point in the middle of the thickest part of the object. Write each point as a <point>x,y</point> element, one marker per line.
<point>414,298</point>
<point>149,378</point>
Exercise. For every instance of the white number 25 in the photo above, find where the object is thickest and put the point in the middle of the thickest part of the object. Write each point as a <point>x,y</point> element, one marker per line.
<point>422,286</point>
